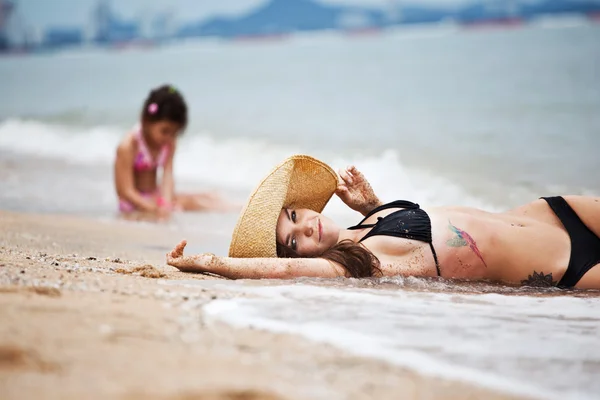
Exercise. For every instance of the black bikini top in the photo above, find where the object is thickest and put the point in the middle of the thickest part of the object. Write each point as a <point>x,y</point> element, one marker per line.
<point>410,222</point>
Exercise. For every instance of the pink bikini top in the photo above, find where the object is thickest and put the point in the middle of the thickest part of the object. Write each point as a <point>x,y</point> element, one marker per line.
<point>144,160</point>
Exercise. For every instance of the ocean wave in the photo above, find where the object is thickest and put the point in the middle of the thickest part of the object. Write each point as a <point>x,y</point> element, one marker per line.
<point>235,164</point>
<point>229,163</point>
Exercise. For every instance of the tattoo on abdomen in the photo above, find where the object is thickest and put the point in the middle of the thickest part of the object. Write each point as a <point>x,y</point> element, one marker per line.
<point>539,280</point>
<point>462,239</point>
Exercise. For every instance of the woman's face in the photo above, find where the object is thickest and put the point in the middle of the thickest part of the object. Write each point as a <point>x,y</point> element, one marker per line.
<point>306,232</point>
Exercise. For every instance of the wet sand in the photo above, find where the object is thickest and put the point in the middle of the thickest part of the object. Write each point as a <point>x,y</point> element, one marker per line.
<point>85,315</point>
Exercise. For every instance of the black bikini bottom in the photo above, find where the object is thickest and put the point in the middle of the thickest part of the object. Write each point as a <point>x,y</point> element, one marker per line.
<point>585,245</point>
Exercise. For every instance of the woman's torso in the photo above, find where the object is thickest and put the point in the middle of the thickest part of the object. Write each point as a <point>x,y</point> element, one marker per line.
<point>474,244</point>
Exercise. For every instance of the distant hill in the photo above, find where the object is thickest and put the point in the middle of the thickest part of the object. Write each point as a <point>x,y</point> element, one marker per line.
<point>286,16</point>
<point>281,17</point>
<point>480,11</point>
<point>559,6</point>
<point>412,14</point>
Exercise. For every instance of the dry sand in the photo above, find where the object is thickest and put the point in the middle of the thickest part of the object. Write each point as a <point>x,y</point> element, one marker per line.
<point>84,315</point>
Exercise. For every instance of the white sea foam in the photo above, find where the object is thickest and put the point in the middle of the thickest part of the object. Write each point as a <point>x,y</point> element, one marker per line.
<point>235,164</point>
<point>544,347</point>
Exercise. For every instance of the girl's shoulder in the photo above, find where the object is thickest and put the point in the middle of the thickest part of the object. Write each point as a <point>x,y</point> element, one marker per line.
<point>129,143</point>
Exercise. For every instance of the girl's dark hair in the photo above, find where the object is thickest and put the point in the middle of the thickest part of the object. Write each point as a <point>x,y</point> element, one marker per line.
<point>165,103</point>
<point>354,257</point>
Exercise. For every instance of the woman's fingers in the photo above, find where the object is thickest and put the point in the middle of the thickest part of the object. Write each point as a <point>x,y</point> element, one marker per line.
<point>342,191</point>
<point>178,250</point>
<point>343,175</point>
<point>356,173</point>
<point>346,177</point>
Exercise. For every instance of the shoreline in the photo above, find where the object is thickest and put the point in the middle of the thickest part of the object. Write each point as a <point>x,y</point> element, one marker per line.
<point>85,315</point>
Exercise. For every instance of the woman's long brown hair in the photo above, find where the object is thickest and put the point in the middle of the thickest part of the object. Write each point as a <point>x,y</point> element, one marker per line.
<point>358,261</point>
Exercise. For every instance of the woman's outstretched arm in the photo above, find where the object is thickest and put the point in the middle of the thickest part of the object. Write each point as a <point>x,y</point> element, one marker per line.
<point>253,268</point>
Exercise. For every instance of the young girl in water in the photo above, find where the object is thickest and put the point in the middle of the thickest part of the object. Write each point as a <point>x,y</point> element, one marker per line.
<point>149,146</point>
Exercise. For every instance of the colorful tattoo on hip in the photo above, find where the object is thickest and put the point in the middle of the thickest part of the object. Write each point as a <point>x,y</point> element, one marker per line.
<point>462,239</point>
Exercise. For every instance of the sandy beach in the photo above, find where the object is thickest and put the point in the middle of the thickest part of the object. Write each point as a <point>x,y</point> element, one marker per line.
<point>85,314</point>
<point>88,308</point>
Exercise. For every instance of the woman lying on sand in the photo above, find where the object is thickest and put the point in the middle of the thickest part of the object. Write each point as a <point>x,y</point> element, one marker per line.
<point>553,241</point>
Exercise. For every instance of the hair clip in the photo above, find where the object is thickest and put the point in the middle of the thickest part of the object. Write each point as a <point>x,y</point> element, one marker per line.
<point>172,89</point>
<point>152,108</point>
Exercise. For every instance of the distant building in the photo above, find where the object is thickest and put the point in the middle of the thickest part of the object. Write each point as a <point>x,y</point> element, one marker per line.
<point>6,10</point>
<point>110,28</point>
<point>102,18</point>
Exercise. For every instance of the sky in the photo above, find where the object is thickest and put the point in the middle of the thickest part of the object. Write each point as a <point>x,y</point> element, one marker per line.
<point>44,13</point>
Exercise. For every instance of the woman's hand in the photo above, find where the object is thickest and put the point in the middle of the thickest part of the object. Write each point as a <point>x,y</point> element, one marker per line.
<point>356,191</point>
<point>197,263</point>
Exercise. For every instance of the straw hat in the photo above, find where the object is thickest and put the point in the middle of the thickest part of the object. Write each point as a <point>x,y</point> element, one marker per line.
<point>298,182</point>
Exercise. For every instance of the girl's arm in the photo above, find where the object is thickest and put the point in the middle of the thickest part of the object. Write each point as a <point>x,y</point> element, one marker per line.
<point>167,187</point>
<point>124,178</point>
<point>254,268</point>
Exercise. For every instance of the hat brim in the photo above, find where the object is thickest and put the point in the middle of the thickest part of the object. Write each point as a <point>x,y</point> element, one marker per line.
<point>298,182</point>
